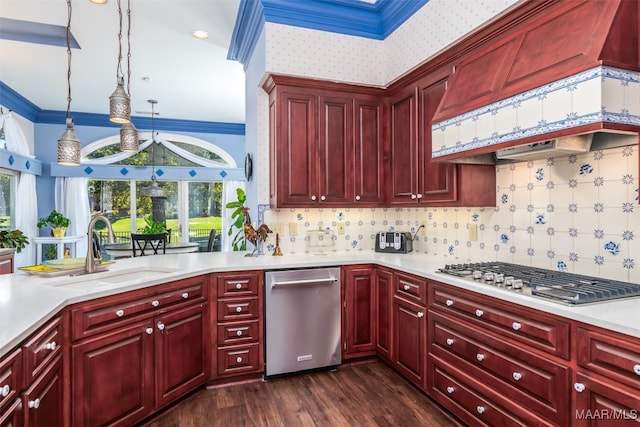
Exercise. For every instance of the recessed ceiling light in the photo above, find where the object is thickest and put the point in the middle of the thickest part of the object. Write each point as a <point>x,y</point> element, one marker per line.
<point>98,1</point>
<point>200,34</point>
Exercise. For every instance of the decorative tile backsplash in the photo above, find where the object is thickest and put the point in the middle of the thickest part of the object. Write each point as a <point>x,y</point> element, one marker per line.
<point>577,213</point>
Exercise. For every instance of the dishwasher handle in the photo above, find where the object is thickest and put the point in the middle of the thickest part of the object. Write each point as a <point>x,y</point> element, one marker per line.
<point>302,282</point>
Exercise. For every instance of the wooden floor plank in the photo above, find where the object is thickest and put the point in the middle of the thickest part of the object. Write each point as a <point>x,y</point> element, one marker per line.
<point>364,395</point>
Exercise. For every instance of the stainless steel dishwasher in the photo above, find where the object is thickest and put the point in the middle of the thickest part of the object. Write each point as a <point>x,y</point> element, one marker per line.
<point>302,320</point>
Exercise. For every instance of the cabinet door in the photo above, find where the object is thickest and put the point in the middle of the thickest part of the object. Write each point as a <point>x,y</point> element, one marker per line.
<point>180,353</point>
<point>113,377</point>
<point>335,140</point>
<point>359,311</point>
<point>409,340</point>
<point>12,415</point>
<point>296,149</point>
<point>384,319</point>
<point>602,402</point>
<point>43,401</point>
<point>6,263</point>
<point>437,179</point>
<point>368,166</point>
<point>403,173</point>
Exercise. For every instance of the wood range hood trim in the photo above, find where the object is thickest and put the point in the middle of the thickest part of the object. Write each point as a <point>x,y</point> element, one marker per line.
<point>574,40</point>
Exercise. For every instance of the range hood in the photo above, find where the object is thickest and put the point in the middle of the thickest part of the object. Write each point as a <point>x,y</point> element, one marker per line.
<point>569,68</point>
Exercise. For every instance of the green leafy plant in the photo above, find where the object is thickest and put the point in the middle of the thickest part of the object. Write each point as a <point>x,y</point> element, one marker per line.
<point>54,220</point>
<point>239,242</point>
<point>153,227</point>
<point>51,252</point>
<point>13,239</point>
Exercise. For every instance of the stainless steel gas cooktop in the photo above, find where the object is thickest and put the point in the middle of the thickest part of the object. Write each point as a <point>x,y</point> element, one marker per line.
<point>554,285</point>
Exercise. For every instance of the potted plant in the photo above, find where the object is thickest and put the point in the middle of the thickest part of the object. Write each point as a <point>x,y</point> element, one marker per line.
<point>56,221</point>
<point>239,242</point>
<point>153,227</point>
<point>13,239</point>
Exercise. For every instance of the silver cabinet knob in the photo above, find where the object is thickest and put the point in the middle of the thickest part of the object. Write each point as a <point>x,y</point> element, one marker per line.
<point>480,409</point>
<point>516,326</point>
<point>313,198</point>
<point>517,376</point>
<point>185,295</point>
<point>120,313</point>
<point>35,404</point>
<point>406,287</point>
<point>480,357</point>
<point>5,390</point>
<point>239,359</point>
<point>155,303</point>
<point>239,333</point>
<point>449,341</point>
<point>419,195</point>
<point>149,331</point>
<point>357,198</point>
<point>51,345</point>
<point>323,198</point>
<point>450,389</point>
<point>420,314</point>
<point>238,285</point>
<point>449,302</point>
<point>579,387</point>
<point>479,313</point>
<point>636,369</point>
<point>413,197</point>
<point>160,326</point>
<point>238,309</point>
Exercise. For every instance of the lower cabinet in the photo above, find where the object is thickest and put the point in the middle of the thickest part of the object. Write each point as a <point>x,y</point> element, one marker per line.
<point>43,401</point>
<point>358,324</point>
<point>384,320</point>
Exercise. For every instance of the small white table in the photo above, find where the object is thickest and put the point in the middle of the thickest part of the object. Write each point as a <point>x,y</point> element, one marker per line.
<point>59,242</point>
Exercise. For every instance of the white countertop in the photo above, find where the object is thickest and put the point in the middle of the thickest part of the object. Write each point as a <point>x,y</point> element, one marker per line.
<point>28,301</point>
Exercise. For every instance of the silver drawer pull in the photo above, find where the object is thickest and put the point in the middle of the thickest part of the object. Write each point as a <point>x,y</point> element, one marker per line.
<point>420,314</point>
<point>35,404</point>
<point>479,313</point>
<point>149,331</point>
<point>51,345</point>
<point>120,313</point>
<point>155,303</point>
<point>516,326</point>
<point>480,409</point>
<point>449,302</point>
<point>160,326</point>
<point>450,389</point>
<point>238,309</point>
<point>480,357</point>
<point>239,359</point>
<point>406,287</point>
<point>5,390</point>
<point>449,341</point>
<point>517,376</point>
<point>238,285</point>
<point>357,198</point>
<point>636,369</point>
<point>579,387</point>
<point>185,295</point>
<point>239,333</point>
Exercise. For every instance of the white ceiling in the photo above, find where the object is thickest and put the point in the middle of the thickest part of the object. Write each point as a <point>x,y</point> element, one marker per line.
<point>191,79</point>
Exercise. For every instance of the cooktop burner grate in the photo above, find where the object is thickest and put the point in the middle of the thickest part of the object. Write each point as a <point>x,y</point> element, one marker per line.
<point>556,285</point>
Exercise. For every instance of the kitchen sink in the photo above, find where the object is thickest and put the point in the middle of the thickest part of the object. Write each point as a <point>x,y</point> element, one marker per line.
<point>109,278</point>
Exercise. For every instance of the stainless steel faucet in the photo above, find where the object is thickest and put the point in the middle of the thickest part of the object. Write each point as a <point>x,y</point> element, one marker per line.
<point>91,262</point>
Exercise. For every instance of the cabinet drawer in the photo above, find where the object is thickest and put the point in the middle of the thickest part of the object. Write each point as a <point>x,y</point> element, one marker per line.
<point>10,377</point>
<point>238,284</point>
<point>536,382</point>
<point>239,359</point>
<point>612,355</point>
<point>107,313</point>
<point>42,348</point>
<point>411,287</point>
<point>238,332</point>
<point>536,329</point>
<point>464,395</point>
<point>238,309</point>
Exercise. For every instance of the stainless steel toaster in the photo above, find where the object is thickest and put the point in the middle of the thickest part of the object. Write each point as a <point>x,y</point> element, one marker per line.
<point>394,242</point>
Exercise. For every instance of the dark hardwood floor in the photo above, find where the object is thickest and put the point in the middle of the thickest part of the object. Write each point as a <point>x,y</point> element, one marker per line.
<point>369,394</point>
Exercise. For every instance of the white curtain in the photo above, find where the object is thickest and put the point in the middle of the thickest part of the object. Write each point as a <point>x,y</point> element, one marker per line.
<point>72,200</point>
<point>27,200</point>
<point>229,195</point>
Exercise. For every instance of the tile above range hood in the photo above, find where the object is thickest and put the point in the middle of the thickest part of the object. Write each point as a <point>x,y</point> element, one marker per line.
<point>571,69</point>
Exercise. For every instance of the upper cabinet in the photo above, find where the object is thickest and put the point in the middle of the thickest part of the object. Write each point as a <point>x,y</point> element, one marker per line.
<point>414,177</point>
<point>325,144</point>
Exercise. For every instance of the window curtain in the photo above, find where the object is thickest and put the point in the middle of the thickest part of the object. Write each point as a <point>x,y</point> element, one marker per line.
<point>72,200</point>
<point>229,195</point>
<point>27,201</point>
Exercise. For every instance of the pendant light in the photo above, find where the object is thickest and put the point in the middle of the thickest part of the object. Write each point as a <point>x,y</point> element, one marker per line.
<point>153,190</point>
<point>128,132</point>
<point>69,144</point>
<point>119,103</point>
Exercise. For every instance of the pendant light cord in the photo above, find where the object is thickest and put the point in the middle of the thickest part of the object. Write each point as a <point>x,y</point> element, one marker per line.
<point>153,138</point>
<point>68,58</point>
<point>119,72</point>
<point>129,48</point>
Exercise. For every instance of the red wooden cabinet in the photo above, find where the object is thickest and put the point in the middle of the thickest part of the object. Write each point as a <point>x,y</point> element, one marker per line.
<point>43,401</point>
<point>359,311</point>
<point>384,318</point>
<point>6,261</point>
